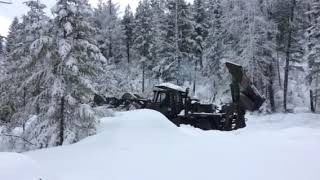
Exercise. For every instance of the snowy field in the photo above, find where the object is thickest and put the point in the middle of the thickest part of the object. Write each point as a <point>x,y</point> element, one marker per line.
<point>144,145</point>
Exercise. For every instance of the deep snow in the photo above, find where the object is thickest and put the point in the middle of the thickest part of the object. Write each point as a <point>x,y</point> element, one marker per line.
<point>144,145</point>
<point>15,166</point>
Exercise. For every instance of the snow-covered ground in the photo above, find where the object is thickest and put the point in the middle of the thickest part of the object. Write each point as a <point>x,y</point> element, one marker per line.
<point>15,166</point>
<point>144,145</point>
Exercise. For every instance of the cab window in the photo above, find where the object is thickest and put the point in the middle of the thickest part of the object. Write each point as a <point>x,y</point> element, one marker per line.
<point>160,97</point>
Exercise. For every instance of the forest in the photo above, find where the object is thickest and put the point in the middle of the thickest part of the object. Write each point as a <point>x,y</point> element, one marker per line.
<point>51,65</point>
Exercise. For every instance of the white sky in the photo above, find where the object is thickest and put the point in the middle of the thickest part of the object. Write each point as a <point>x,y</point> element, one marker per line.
<point>8,12</point>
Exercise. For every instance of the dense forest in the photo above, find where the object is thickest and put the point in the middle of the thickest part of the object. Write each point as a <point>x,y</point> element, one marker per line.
<point>52,65</point>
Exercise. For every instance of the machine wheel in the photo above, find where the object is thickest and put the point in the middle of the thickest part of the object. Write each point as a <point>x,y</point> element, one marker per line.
<point>231,118</point>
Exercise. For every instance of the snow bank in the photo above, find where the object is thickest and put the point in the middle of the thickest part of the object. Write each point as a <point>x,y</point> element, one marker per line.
<point>139,126</point>
<point>144,145</point>
<point>137,120</point>
<point>15,166</point>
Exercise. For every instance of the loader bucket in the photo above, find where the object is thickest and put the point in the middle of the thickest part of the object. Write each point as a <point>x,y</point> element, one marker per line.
<point>250,98</point>
<point>235,71</point>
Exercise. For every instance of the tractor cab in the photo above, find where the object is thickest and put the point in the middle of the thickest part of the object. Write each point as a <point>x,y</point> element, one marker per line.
<point>169,99</point>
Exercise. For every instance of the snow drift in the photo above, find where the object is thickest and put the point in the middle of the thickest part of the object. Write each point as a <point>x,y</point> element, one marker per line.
<point>144,145</point>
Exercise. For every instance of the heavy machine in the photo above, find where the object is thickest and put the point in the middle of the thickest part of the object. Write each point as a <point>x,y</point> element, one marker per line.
<point>176,104</point>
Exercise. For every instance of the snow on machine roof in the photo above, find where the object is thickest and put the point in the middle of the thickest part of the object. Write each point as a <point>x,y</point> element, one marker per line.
<point>170,86</point>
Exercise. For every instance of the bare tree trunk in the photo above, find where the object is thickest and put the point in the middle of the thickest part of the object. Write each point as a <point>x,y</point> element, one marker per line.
<point>176,29</point>
<point>190,73</point>
<point>109,31</point>
<point>286,75</point>
<point>37,93</point>
<point>110,46</point>
<point>128,52</point>
<point>177,58</point>
<point>195,77</point>
<point>143,76</point>
<point>201,60</point>
<point>288,54</point>
<point>61,135</point>
<point>24,96</point>
<point>312,107</point>
<point>317,90</point>
<point>278,68</point>
<point>24,105</point>
<point>270,89</point>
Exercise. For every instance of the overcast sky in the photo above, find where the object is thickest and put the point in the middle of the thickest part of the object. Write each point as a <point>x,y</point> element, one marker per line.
<point>8,12</point>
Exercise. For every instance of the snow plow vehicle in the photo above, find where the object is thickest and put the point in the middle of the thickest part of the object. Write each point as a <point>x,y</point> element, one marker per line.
<point>175,103</point>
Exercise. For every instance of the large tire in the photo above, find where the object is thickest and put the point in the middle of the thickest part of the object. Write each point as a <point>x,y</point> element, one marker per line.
<point>233,118</point>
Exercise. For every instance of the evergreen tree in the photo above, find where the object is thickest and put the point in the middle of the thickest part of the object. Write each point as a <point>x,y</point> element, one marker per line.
<point>200,33</point>
<point>200,23</point>
<point>214,42</point>
<point>158,32</point>
<point>143,37</point>
<point>75,64</point>
<point>291,24</point>
<point>12,35</point>
<point>291,17</point>
<point>22,81</point>
<point>60,61</point>
<point>1,46</point>
<point>109,30</point>
<point>34,29</point>
<point>177,48</point>
<point>313,55</point>
<point>21,62</point>
<point>215,48</point>
<point>8,84</point>
<point>128,26</point>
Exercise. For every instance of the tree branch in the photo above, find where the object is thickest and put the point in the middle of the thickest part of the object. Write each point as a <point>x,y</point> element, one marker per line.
<point>10,135</point>
<point>5,2</point>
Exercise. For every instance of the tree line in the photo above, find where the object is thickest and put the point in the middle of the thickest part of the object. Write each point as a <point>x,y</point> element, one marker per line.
<point>51,66</point>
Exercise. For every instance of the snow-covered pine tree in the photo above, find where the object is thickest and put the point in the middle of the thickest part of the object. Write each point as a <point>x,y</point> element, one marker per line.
<point>158,32</point>
<point>109,33</point>
<point>128,26</point>
<point>6,92</point>
<point>200,32</point>
<point>292,22</point>
<point>313,55</point>
<point>214,42</point>
<point>12,35</point>
<point>177,49</point>
<point>2,59</point>
<point>267,60</point>
<point>19,94</point>
<point>290,29</point>
<point>1,46</point>
<point>75,63</point>
<point>60,74</point>
<point>201,26</point>
<point>143,38</point>
<point>20,62</point>
<point>215,49</point>
<point>110,28</point>
<point>35,32</point>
